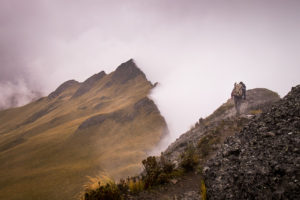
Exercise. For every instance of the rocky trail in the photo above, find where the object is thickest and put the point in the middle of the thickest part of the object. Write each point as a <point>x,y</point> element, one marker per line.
<point>186,187</point>
<point>251,156</point>
<point>263,160</point>
<point>255,155</point>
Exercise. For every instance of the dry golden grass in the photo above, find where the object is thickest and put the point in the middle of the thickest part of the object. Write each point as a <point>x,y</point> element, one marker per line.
<point>255,112</point>
<point>203,190</point>
<point>53,159</point>
<point>136,186</point>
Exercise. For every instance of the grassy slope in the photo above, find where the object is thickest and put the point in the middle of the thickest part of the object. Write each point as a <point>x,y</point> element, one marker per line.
<point>50,159</point>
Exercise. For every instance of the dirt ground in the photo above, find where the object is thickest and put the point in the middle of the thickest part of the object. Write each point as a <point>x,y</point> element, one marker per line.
<point>186,187</point>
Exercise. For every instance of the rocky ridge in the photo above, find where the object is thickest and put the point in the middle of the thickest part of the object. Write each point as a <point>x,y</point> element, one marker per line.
<point>224,119</point>
<point>263,160</point>
<point>206,138</point>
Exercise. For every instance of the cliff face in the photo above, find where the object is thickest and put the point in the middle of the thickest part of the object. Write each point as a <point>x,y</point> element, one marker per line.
<point>263,160</point>
<point>104,125</point>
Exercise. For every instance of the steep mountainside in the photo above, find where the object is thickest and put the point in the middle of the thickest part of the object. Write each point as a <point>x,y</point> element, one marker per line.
<point>105,124</point>
<point>178,172</point>
<point>222,123</point>
<point>252,156</point>
<point>191,151</point>
<point>263,160</point>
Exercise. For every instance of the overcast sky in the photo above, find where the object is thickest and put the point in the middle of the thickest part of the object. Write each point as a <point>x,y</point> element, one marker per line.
<point>196,50</point>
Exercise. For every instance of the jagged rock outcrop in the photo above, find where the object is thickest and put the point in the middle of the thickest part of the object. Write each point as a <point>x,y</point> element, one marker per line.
<point>127,71</point>
<point>263,160</point>
<point>88,84</point>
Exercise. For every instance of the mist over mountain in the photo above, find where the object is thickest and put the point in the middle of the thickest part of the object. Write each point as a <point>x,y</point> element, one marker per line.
<point>16,94</point>
<point>69,109</point>
<point>251,155</point>
<point>186,46</point>
<point>102,126</point>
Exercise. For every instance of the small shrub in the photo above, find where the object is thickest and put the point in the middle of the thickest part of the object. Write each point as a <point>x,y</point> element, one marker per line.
<point>108,192</point>
<point>152,171</point>
<point>123,186</point>
<point>189,159</point>
<point>158,173</point>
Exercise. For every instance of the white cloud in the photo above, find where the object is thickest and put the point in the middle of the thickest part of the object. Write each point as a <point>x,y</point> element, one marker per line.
<point>195,49</point>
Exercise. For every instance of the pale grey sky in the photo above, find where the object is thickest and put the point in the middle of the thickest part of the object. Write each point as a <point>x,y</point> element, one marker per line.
<point>195,49</point>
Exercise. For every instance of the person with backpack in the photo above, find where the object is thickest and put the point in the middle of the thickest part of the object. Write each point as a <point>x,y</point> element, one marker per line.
<point>244,90</point>
<point>237,95</point>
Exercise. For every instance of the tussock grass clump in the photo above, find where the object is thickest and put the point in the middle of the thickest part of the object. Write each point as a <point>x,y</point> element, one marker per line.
<point>203,190</point>
<point>156,173</point>
<point>135,185</point>
<point>108,192</point>
<point>101,187</point>
<point>255,112</point>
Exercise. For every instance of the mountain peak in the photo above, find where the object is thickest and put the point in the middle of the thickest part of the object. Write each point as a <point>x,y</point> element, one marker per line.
<point>127,71</point>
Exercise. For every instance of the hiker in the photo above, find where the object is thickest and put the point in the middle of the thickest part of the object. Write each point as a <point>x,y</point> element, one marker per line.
<point>237,94</point>
<point>244,90</point>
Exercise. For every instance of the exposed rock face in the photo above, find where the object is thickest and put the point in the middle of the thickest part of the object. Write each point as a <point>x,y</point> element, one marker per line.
<point>127,71</point>
<point>263,160</point>
<point>224,119</point>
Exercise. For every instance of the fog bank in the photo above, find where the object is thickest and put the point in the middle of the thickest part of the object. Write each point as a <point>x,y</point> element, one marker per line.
<point>196,50</point>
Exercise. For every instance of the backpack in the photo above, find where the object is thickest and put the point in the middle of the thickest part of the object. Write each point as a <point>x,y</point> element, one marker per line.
<point>238,90</point>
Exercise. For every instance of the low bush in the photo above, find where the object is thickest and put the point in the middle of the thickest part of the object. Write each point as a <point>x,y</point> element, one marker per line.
<point>156,173</point>
<point>189,159</point>
<point>152,171</point>
<point>108,192</point>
